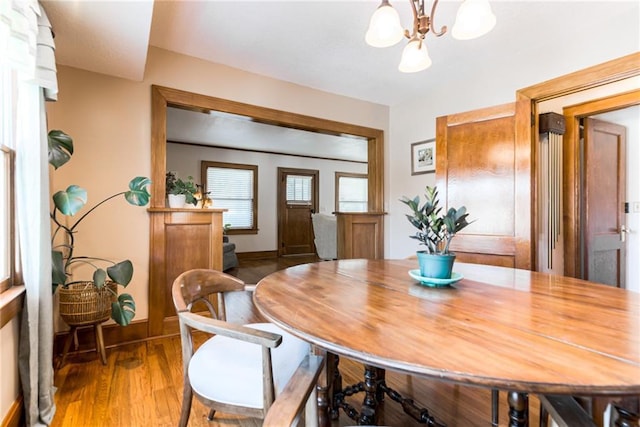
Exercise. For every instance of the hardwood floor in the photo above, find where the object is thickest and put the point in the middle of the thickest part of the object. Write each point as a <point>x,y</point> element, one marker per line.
<point>141,385</point>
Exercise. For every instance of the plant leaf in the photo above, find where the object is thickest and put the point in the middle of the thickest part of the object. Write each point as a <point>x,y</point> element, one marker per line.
<point>60,148</point>
<point>99,277</point>
<point>138,195</point>
<point>121,273</point>
<point>71,200</point>
<point>123,310</point>
<point>58,277</point>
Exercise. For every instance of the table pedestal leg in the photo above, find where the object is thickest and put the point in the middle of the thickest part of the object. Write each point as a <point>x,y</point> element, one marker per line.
<point>375,389</point>
<point>370,402</point>
<point>626,418</point>
<point>323,390</point>
<point>518,409</point>
<point>335,383</point>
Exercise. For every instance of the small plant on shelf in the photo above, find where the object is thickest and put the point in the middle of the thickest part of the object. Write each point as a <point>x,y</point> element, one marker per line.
<point>176,186</point>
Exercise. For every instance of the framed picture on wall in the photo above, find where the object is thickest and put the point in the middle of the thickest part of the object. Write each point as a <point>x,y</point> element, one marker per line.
<point>423,157</point>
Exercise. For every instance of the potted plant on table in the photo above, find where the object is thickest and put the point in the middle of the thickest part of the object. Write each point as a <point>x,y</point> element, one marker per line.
<point>180,192</point>
<point>435,232</point>
<point>87,301</point>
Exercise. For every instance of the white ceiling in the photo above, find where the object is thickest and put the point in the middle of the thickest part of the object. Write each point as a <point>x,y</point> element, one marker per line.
<point>233,131</point>
<point>320,44</point>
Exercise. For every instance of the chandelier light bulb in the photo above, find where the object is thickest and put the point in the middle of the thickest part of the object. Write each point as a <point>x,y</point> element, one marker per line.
<point>474,19</point>
<point>384,27</point>
<point>415,57</point>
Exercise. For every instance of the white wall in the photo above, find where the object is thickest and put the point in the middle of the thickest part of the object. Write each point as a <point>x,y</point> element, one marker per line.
<point>110,121</point>
<point>415,121</point>
<point>185,159</point>
<point>486,86</point>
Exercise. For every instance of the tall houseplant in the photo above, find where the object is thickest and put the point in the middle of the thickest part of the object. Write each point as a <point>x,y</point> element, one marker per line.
<point>435,232</point>
<point>64,257</point>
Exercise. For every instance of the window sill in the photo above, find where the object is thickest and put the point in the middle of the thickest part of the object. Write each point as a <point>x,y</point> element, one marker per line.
<point>11,303</point>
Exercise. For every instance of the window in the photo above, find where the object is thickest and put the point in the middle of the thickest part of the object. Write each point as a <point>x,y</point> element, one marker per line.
<point>351,192</point>
<point>7,235</point>
<point>233,187</point>
<point>299,190</point>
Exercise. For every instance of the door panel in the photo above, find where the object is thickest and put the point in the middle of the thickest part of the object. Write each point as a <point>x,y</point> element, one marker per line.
<point>484,163</point>
<point>604,197</point>
<point>295,229</point>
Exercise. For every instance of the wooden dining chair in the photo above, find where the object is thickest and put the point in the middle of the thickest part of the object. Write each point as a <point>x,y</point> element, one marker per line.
<point>564,410</point>
<point>242,368</point>
<point>298,396</point>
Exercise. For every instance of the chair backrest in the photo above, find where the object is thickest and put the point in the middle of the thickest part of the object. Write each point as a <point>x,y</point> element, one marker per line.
<point>325,232</point>
<point>200,285</point>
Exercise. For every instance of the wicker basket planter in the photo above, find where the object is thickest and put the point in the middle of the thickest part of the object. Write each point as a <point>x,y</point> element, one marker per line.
<point>84,304</point>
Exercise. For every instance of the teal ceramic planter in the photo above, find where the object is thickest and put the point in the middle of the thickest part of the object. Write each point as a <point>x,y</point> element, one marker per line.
<point>435,265</point>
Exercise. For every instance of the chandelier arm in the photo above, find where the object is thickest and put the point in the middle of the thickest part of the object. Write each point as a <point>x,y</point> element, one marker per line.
<point>433,12</point>
<point>416,20</point>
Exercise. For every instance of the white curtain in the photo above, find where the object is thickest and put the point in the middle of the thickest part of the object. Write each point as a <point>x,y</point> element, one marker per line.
<point>27,63</point>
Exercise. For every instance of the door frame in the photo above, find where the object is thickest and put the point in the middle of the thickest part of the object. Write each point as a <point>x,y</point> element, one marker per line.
<point>282,172</point>
<point>163,97</point>
<point>599,75</point>
<point>572,223</point>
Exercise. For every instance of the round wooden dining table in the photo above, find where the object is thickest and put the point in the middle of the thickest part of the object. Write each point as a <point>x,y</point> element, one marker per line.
<point>501,328</point>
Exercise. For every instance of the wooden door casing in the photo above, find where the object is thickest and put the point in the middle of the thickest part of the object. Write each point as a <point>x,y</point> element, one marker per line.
<point>604,195</point>
<point>295,229</point>
<point>484,162</point>
<point>573,224</point>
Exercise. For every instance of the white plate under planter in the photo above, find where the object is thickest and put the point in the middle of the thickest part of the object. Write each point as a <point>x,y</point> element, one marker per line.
<point>433,282</point>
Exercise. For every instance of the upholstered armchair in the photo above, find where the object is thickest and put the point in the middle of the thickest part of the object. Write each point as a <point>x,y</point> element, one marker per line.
<point>242,368</point>
<point>325,235</point>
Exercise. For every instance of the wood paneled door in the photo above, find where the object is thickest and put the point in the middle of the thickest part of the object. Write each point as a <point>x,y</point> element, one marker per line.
<point>604,194</point>
<point>484,162</point>
<point>297,199</point>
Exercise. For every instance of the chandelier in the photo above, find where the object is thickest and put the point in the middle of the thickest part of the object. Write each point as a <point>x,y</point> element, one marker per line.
<point>474,19</point>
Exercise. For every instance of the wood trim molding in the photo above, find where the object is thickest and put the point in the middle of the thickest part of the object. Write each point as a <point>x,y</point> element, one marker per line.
<point>598,75</point>
<point>257,255</point>
<point>15,415</point>
<point>161,97</point>
<point>113,334</point>
<point>11,302</point>
<point>572,224</point>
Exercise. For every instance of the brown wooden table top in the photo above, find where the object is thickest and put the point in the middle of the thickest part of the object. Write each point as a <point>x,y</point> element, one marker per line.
<point>499,327</point>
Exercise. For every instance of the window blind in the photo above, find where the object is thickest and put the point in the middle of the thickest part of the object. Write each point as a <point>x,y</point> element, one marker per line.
<point>232,189</point>
<point>299,189</point>
<point>352,194</point>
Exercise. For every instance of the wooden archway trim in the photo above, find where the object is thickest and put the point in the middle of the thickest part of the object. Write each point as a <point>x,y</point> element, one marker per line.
<point>599,75</point>
<point>161,272</point>
<point>161,97</point>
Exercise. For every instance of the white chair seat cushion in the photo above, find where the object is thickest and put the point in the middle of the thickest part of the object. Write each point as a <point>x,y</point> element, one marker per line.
<point>229,371</point>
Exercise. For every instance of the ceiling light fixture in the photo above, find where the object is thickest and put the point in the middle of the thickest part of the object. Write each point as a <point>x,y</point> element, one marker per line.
<point>474,19</point>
